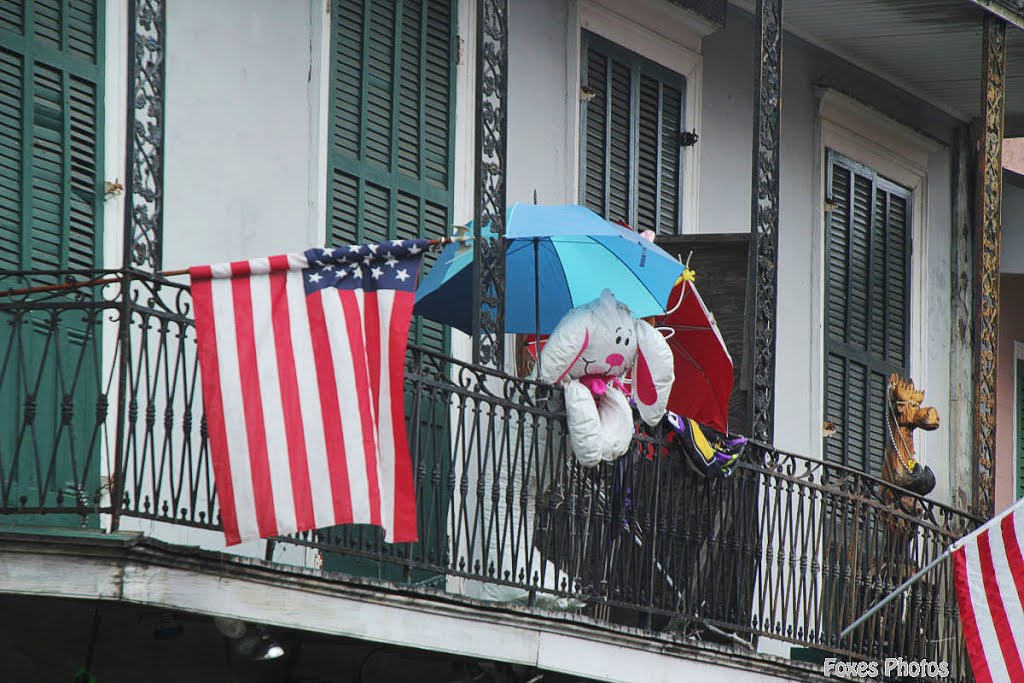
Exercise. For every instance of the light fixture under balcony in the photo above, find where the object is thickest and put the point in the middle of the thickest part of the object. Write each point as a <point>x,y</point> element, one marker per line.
<point>250,641</point>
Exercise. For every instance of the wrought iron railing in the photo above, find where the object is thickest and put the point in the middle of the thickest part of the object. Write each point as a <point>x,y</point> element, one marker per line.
<point>788,548</point>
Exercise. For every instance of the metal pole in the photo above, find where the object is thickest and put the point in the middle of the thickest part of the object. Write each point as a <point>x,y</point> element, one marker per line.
<point>764,221</point>
<point>536,300</point>
<point>892,596</point>
<point>489,196</point>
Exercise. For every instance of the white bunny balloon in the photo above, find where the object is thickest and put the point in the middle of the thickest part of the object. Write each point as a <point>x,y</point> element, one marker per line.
<point>591,349</point>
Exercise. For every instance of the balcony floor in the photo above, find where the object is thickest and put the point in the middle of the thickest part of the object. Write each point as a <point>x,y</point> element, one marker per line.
<point>136,571</point>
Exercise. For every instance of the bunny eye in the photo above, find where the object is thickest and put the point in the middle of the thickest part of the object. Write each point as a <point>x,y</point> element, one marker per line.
<point>627,341</point>
<point>618,340</point>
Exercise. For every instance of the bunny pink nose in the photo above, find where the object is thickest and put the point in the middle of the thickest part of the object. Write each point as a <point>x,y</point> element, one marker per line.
<point>614,359</point>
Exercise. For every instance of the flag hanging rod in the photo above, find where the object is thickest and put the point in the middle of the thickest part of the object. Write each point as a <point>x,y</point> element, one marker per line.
<point>892,596</point>
<point>163,273</point>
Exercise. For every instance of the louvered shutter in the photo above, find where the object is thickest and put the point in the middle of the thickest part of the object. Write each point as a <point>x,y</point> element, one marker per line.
<point>630,162</point>
<point>867,304</point>
<point>392,123</point>
<point>391,162</point>
<point>51,193</point>
<point>51,80</point>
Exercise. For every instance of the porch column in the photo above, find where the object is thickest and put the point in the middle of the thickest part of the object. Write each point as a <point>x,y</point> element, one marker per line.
<point>489,199</point>
<point>764,222</point>
<point>986,284</point>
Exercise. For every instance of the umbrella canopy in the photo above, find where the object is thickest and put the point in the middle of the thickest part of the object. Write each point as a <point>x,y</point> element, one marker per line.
<point>567,252</point>
<point>704,370</point>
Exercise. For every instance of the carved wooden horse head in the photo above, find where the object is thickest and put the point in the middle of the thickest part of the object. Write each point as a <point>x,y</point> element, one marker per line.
<point>903,414</point>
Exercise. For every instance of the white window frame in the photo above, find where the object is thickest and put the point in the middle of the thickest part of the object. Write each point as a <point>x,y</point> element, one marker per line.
<point>115,127</point>
<point>659,32</point>
<point>900,154</point>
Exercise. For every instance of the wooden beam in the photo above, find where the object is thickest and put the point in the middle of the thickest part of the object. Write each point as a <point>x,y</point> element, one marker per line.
<point>989,193</point>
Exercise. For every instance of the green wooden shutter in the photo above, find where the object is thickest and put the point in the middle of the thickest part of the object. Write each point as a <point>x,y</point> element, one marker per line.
<point>392,104</point>
<point>1019,408</point>
<point>51,94</point>
<point>867,307</point>
<point>51,194</point>
<point>392,177</point>
<point>630,162</point>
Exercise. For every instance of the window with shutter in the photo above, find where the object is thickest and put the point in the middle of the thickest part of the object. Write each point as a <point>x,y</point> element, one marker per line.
<point>867,306</point>
<point>631,115</point>
<point>51,194</point>
<point>392,126</point>
<point>391,160</point>
<point>51,81</point>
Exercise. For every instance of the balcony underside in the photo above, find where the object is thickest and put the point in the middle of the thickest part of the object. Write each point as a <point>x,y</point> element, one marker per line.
<point>131,569</point>
<point>930,49</point>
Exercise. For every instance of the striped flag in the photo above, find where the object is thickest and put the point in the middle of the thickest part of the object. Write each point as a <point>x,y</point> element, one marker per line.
<point>988,570</point>
<point>302,359</point>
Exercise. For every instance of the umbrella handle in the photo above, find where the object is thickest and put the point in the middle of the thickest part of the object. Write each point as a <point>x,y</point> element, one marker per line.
<point>679,303</point>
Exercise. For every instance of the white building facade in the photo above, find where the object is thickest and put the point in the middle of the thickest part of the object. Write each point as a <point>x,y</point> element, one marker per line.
<point>280,126</point>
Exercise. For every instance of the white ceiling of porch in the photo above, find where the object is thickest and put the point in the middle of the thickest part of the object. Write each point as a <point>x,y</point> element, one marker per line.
<point>931,48</point>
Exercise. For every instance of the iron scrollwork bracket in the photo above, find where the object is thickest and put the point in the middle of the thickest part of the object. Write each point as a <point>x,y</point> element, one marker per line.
<point>489,200</point>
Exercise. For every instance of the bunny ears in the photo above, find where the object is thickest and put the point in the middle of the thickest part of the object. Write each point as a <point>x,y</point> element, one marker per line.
<point>653,373</point>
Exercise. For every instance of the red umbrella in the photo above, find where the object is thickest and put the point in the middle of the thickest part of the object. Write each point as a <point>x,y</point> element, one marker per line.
<point>702,363</point>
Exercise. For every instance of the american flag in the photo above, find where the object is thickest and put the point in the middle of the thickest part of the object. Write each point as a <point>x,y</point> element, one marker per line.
<point>302,360</point>
<point>988,570</point>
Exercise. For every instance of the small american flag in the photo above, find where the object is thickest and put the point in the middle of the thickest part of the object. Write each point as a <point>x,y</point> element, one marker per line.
<point>302,359</point>
<point>988,570</point>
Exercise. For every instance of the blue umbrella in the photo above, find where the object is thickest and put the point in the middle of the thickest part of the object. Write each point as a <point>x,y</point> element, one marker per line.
<point>569,253</point>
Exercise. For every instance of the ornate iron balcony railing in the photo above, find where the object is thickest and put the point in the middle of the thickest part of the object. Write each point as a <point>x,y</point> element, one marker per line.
<point>788,548</point>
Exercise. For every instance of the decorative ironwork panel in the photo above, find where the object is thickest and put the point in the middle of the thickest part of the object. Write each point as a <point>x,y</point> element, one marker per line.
<point>489,203</point>
<point>147,31</point>
<point>764,227</point>
<point>990,200</point>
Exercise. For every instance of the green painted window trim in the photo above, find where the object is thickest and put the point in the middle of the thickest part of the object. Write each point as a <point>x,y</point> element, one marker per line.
<point>860,355</point>
<point>641,183</point>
